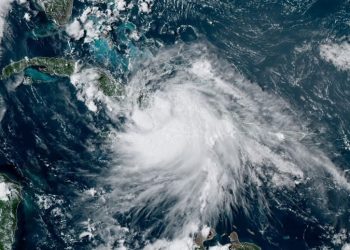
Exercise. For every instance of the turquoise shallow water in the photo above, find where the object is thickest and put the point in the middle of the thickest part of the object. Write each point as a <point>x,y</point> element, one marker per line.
<point>288,64</point>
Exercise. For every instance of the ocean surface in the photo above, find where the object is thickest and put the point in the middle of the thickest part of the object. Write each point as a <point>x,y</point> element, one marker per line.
<point>235,115</point>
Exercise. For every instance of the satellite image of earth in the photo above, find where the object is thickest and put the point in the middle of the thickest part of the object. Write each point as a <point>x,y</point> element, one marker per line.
<point>174,124</point>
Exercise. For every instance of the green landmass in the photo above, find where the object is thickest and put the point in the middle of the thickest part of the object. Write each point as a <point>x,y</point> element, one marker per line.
<point>235,244</point>
<point>244,246</point>
<point>47,65</point>
<point>108,85</point>
<point>10,198</point>
<point>60,67</point>
<point>59,11</point>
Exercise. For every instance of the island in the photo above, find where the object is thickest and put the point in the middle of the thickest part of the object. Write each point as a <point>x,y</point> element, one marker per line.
<point>236,244</point>
<point>10,197</point>
<point>48,65</point>
<point>59,11</point>
<point>60,67</point>
<point>200,240</point>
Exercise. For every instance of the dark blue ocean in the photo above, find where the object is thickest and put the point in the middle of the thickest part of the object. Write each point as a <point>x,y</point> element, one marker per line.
<point>59,150</point>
